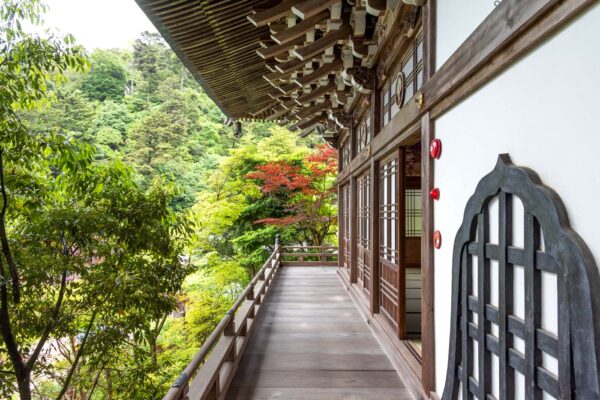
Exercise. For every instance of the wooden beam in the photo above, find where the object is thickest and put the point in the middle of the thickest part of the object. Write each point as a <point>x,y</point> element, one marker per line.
<point>308,111</point>
<point>320,91</point>
<point>300,29</point>
<point>319,46</point>
<point>324,70</point>
<point>290,66</point>
<point>277,115</point>
<point>308,8</point>
<point>273,77</point>
<point>289,88</point>
<point>272,51</point>
<point>507,21</point>
<point>316,119</point>
<point>262,18</point>
<point>376,7</point>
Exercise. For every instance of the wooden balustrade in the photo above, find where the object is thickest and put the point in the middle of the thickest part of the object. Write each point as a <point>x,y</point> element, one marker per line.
<point>309,256</point>
<point>209,374</point>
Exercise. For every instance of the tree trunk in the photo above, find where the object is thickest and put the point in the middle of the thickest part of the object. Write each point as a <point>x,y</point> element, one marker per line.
<point>24,384</point>
<point>108,384</point>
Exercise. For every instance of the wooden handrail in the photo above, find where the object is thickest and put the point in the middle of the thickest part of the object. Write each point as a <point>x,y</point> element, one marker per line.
<point>297,256</point>
<point>210,372</point>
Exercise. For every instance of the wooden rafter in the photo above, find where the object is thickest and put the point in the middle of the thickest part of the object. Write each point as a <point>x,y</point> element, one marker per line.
<point>277,76</point>
<point>262,18</point>
<point>324,70</point>
<point>290,66</point>
<point>308,111</point>
<point>300,28</point>
<point>313,121</point>
<point>329,39</point>
<point>308,8</point>
<point>272,51</point>
<point>320,91</point>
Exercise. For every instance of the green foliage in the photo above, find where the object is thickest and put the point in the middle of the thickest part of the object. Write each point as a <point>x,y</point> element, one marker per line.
<point>107,77</point>
<point>104,169</point>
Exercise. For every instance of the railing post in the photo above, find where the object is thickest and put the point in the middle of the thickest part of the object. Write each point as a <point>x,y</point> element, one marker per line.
<point>277,240</point>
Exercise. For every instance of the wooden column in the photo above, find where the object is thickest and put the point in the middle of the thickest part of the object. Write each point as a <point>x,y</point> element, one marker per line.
<point>401,242</point>
<point>353,227</point>
<point>427,183</point>
<point>374,237</point>
<point>341,226</point>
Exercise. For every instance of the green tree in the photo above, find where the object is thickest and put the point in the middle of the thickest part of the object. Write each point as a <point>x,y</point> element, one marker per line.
<point>107,77</point>
<point>148,58</point>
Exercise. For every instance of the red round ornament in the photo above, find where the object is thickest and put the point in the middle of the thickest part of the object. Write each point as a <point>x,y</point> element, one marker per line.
<point>435,194</point>
<point>437,239</point>
<point>435,148</point>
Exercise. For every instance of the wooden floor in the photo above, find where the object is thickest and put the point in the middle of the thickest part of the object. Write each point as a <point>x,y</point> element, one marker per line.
<point>311,343</point>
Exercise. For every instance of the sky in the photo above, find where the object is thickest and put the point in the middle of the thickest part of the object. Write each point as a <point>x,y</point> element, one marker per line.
<point>98,23</point>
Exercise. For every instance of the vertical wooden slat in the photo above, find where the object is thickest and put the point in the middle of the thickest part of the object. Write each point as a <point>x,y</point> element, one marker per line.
<point>401,241</point>
<point>483,297</point>
<point>467,353</point>
<point>505,294</point>
<point>374,236</point>
<point>341,226</point>
<point>353,233</point>
<point>565,377</point>
<point>533,309</point>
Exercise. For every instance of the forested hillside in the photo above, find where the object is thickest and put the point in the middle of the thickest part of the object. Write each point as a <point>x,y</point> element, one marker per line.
<point>131,216</point>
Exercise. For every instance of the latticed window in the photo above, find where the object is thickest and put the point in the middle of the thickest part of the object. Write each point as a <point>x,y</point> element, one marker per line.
<point>388,211</point>
<point>413,213</point>
<point>524,296</point>
<point>346,224</point>
<point>363,133</point>
<point>405,82</point>
<point>364,210</point>
<point>345,151</point>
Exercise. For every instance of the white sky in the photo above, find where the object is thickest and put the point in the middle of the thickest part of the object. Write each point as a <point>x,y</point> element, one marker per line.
<point>98,23</point>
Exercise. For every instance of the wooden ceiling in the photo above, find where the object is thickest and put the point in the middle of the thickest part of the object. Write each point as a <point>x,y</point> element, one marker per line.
<point>299,62</point>
<point>218,45</point>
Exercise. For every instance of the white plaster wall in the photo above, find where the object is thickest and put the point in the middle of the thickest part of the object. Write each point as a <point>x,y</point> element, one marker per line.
<point>456,20</point>
<point>545,112</point>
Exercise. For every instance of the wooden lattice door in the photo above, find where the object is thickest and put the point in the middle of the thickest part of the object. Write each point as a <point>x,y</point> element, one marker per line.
<point>346,227</point>
<point>389,240</point>
<point>363,262</point>
<point>525,318</point>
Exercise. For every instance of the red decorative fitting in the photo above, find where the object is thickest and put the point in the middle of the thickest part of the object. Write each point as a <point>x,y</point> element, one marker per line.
<point>437,239</point>
<point>435,194</point>
<point>435,149</point>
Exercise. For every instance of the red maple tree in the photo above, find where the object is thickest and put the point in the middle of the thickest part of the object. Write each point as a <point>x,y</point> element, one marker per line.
<point>310,192</point>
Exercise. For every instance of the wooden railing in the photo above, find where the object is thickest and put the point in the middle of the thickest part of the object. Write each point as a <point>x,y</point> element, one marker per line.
<point>309,255</point>
<point>209,374</point>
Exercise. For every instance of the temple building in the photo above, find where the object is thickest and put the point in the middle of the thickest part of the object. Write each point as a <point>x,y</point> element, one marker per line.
<point>467,260</point>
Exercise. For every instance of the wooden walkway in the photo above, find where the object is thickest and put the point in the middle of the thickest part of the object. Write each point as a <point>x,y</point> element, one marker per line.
<point>311,343</point>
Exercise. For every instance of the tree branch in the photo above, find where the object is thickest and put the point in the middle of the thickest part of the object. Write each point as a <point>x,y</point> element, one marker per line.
<point>77,357</point>
<point>16,287</point>
<point>6,329</point>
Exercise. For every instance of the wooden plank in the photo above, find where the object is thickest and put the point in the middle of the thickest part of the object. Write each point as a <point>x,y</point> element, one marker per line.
<point>262,18</point>
<point>308,8</point>
<point>319,394</point>
<point>317,361</point>
<point>319,379</point>
<point>319,46</point>
<point>301,28</point>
